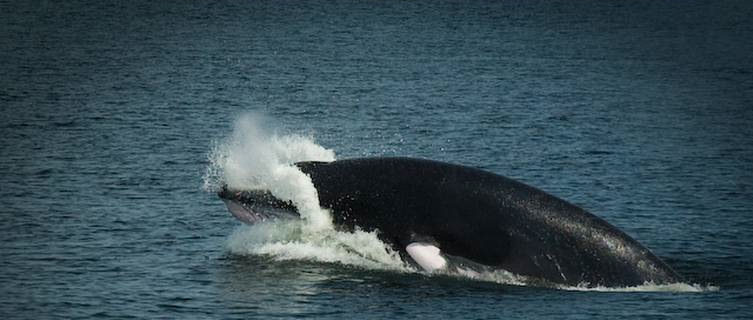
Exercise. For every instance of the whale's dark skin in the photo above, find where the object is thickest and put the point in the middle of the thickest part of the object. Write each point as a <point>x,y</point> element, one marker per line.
<point>483,217</point>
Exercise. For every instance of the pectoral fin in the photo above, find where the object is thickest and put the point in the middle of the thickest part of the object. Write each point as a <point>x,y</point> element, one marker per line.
<point>426,255</point>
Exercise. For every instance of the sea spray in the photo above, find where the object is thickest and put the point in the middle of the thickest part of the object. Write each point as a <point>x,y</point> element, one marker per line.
<point>252,158</point>
<point>256,158</point>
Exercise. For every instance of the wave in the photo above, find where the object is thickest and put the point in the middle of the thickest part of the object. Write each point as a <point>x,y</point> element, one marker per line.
<point>255,157</point>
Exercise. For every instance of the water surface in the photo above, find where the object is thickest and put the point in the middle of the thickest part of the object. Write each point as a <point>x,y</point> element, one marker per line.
<point>638,111</point>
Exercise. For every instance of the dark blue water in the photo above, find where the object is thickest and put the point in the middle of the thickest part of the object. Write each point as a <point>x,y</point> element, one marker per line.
<point>640,112</point>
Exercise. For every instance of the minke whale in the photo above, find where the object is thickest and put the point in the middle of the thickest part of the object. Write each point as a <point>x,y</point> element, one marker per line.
<point>441,216</point>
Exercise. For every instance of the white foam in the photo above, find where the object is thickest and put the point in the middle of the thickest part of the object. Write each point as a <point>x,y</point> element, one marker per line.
<point>497,276</point>
<point>509,278</point>
<point>283,240</point>
<point>255,157</point>
<point>646,287</point>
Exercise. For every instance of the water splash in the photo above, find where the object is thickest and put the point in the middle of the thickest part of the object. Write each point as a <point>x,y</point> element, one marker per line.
<point>257,158</point>
<point>283,240</point>
<point>254,158</point>
<point>647,287</point>
<point>508,278</point>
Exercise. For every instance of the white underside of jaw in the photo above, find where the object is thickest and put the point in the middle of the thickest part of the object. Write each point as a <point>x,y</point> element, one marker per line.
<point>242,213</point>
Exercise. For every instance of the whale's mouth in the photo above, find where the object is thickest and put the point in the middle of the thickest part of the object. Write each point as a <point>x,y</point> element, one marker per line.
<point>256,206</point>
<point>245,214</point>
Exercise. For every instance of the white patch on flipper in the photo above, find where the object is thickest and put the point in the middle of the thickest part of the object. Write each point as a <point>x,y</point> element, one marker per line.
<point>426,255</point>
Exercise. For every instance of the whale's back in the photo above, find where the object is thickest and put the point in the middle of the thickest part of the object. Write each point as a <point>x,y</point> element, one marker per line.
<point>485,217</point>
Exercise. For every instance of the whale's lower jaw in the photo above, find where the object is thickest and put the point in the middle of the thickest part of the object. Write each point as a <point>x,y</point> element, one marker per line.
<point>245,214</point>
<point>252,214</point>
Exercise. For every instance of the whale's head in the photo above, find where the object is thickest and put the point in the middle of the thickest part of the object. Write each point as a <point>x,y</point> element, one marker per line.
<point>253,206</point>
